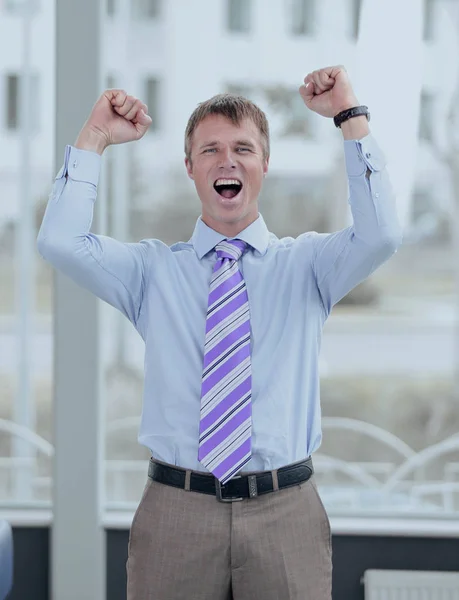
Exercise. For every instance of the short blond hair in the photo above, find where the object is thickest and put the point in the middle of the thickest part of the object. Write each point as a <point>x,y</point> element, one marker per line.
<point>233,107</point>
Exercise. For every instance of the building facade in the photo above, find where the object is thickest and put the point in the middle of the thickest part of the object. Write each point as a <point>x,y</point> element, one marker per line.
<point>175,54</point>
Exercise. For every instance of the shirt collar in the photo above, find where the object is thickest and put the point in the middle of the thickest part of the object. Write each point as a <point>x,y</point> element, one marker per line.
<point>204,238</point>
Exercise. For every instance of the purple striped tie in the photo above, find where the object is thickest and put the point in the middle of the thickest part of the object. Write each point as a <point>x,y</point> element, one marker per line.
<point>226,409</point>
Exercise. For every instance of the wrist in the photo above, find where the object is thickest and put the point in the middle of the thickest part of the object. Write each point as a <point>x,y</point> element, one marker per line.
<point>350,103</point>
<point>91,141</point>
<point>355,128</point>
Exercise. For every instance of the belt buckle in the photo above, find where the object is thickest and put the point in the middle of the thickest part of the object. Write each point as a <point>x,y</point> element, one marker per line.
<point>218,490</point>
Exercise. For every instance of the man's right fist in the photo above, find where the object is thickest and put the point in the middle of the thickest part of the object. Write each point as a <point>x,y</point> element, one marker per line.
<point>115,119</point>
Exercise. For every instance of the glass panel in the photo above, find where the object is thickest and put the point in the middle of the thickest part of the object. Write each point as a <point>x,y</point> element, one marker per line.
<point>26,325</point>
<point>389,359</point>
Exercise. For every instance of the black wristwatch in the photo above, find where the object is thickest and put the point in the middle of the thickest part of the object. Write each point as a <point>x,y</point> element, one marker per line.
<point>349,113</point>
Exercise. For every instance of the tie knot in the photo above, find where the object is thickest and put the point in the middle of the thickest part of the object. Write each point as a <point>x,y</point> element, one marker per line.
<point>233,249</point>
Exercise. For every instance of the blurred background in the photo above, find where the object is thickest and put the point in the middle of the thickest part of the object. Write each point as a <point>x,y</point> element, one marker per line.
<point>389,461</point>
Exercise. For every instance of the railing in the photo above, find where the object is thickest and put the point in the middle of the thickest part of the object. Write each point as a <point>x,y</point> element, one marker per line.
<point>402,485</point>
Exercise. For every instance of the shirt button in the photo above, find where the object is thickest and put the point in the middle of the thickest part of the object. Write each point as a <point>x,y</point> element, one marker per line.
<point>75,164</point>
<point>368,154</point>
<point>376,194</point>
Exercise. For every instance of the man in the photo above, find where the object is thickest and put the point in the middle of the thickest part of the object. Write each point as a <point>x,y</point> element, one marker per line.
<point>232,323</point>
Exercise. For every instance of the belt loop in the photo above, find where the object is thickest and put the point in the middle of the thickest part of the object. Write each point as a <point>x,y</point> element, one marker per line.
<point>187,480</point>
<point>275,480</point>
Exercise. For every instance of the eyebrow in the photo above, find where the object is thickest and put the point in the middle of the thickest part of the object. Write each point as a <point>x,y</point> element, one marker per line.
<point>208,145</point>
<point>245,143</point>
<point>237,143</point>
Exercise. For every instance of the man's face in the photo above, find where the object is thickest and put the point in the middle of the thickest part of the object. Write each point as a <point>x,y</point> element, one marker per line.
<point>227,167</point>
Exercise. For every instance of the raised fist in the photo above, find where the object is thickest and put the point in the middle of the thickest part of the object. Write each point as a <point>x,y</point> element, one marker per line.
<point>116,118</point>
<point>328,91</point>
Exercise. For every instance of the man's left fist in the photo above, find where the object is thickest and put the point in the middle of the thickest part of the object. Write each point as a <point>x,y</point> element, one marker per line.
<point>328,91</point>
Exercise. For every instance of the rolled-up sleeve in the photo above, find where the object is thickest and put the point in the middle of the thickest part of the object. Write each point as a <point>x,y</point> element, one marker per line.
<point>112,270</point>
<point>344,259</point>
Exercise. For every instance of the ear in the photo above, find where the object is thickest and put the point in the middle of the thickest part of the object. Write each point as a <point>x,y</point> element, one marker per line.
<point>189,168</point>
<point>265,166</point>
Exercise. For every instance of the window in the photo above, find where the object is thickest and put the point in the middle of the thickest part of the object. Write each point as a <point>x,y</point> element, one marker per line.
<point>111,8</point>
<point>239,15</point>
<point>146,9</point>
<point>426,117</point>
<point>356,9</point>
<point>111,82</point>
<point>303,17</point>
<point>10,6</point>
<point>429,20</point>
<point>13,102</point>
<point>35,103</point>
<point>152,100</point>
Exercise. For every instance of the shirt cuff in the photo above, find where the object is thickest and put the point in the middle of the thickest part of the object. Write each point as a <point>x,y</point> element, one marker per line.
<point>363,154</point>
<point>81,165</point>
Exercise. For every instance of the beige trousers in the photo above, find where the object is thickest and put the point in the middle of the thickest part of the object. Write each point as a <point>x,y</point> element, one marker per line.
<point>186,545</point>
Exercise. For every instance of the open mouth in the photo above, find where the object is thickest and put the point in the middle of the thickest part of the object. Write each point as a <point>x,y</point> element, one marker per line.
<point>228,188</point>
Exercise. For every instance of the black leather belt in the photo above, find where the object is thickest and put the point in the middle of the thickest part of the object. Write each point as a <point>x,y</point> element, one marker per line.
<point>237,488</point>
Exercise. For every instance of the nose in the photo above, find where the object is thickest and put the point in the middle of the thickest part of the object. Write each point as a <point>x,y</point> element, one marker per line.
<point>227,160</point>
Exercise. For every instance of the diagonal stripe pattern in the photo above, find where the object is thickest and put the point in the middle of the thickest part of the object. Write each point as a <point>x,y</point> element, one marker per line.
<point>226,409</point>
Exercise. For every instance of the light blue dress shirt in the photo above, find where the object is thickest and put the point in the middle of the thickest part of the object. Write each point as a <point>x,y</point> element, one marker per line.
<point>292,285</point>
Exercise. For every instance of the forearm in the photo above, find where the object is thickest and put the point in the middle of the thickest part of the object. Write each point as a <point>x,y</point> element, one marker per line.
<point>371,195</point>
<point>69,212</point>
<point>345,258</point>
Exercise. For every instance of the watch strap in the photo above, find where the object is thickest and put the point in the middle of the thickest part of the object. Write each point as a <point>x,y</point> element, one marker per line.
<point>349,113</point>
